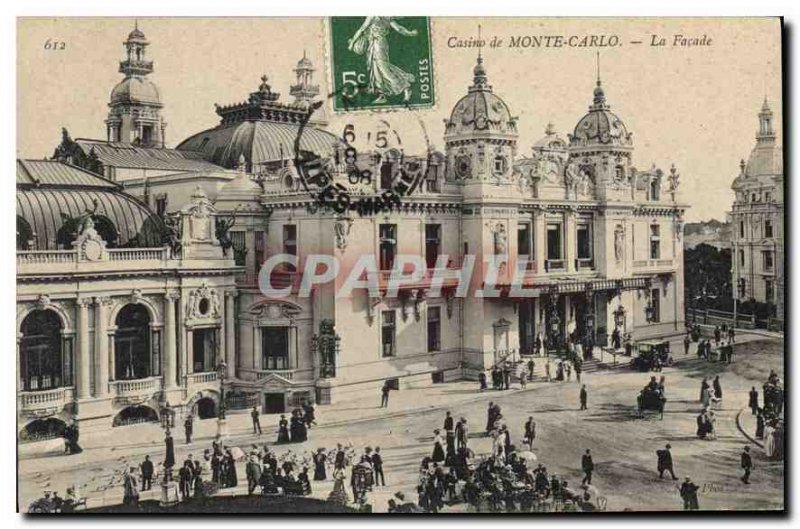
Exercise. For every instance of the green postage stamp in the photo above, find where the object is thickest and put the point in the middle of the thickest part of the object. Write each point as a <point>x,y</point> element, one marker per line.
<point>381,62</point>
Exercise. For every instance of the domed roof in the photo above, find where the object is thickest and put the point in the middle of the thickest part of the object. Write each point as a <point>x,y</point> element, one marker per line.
<point>551,141</point>
<point>136,34</point>
<point>766,159</point>
<point>481,109</point>
<point>136,90</point>
<point>259,142</point>
<point>600,127</point>
<point>51,196</point>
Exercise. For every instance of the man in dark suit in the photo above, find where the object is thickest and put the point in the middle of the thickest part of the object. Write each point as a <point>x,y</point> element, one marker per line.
<point>530,432</point>
<point>462,433</point>
<point>588,467</point>
<point>747,465</point>
<point>385,395</point>
<point>584,397</point>
<point>147,473</point>
<point>256,422</point>
<point>188,426</point>
<point>339,461</point>
<point>688,491</point>
<point>506,377</point>
<point>448,423</point>
<point>377,466</point>
<point>665,462</point>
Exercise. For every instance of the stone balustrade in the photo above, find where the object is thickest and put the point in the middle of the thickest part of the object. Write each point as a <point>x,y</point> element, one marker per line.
<point>141,386</point>
<point>206,377</point>
<point>45,399</point>
<point>71,256</point>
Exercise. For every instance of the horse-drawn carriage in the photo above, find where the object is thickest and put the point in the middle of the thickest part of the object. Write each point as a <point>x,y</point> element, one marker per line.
<point>652,355</point>
<point>651,400</point>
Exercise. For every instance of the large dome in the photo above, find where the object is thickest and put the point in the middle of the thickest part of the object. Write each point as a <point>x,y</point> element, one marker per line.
<point>136,90</point>
<point>480,110</point>
<point>259,142</point>
<point>600,127</point>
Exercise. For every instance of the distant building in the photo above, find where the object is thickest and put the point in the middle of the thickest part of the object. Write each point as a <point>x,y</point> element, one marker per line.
<point>757,220</point>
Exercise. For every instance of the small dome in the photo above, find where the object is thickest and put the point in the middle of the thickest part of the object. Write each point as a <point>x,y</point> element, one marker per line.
<point>480,109</point>
<point>600,126</point>
<point>136,90</point>
<point>551,141</point>
<point>765,160</point>
<point>136,34</point>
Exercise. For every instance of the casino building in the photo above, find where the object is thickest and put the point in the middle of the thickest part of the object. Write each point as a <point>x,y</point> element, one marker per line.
<point>132,300</point>
<point>757,220</point>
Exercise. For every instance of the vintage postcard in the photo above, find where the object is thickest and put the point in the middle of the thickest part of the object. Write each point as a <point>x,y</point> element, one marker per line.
<point>400,265</point>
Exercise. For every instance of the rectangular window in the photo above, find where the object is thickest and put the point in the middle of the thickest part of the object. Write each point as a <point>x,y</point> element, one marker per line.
<point>741,257</point>
<point>147,134</point>
<point>388,245</point>
<point>259,255</point>
<point>554,246</point>
<point>655,241</point>
<point>387,333</point>
<point>767,197</point>
<point>768,228</point>
<point>768,261</point>
<point>655,187</point>
<point>67,355</point>
<point>742,288</point>
<point>274,348</point>
<point>769,290</point>
<point>741,229</point>
<point>433,244</point>
<point>434,329</point>
<point>239,247</point>
<point>204,350</point>
<point>584,241</point>
<point>290,243</point>
<point>156,353</point>
<point>524,242</point>
<point>655,300</point>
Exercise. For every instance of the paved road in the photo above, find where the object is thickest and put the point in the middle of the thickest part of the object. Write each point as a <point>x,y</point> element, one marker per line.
<point>623,445</point>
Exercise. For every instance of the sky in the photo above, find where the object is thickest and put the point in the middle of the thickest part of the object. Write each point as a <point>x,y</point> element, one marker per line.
<point>695,107</point>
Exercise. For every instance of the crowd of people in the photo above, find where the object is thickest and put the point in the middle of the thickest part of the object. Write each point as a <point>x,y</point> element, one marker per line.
<point>295,430</point>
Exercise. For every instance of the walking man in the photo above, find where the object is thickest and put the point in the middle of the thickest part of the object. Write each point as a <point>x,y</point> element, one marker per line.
<point>665,462</point>
<point>448,422</point>
<point>753,402</point>
<point>688,491</point>
<point>588,467</point>
<point>187,427</point>
<point>253,471</point>
<point>385,395</point>
<point>147,473</point>
<point>686,342</point>
<point>462,433</point>
<point>531,366</point>
<point>530,432</point>
<point>377,466</point>
<point>584,396</point>
<point>256,422</point>
<point>747,465</point>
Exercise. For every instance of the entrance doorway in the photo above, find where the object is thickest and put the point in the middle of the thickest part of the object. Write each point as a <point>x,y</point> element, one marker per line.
<point>206,408</point>
<point>527,330</point>
<point>274,403</point>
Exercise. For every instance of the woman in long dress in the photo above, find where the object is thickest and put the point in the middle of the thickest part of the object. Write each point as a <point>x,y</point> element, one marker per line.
<point>319,465</point>
<point>283,430</point>
<point>371,40</point>
<point>338,495</point>
<point>438,451</point>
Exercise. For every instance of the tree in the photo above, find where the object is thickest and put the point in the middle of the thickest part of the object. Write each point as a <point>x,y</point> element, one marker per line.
<point>707,276</point>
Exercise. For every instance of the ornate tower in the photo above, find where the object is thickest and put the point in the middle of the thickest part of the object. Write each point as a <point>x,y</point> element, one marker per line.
<point>134,114</point>
<point>600,151</point>
<point>305,91</point>
<point>481,139</point>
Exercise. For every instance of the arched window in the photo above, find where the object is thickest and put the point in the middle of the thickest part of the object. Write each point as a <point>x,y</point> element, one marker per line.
<point>44,360</point>
<point>132,343</point>
<point>24,234</point>
<point>106,230</point>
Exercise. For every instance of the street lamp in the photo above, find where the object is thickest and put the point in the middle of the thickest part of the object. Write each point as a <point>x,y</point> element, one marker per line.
<point>222,374</point>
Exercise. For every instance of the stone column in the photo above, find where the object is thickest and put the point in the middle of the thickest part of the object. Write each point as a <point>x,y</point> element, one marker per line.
<point>230,332</point>
<point>101,347</point>
<point>84,349</point>
<point>170,341</point>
